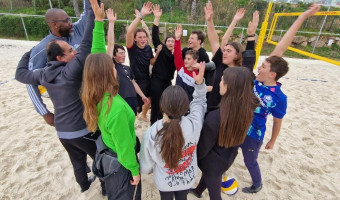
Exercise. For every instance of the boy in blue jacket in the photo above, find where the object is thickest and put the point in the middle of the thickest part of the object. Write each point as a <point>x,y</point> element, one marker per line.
<point>272,101</point>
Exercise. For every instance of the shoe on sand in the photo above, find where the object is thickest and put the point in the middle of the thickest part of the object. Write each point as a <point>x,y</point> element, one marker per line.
<point>90,179</point>
<point>251,189</point>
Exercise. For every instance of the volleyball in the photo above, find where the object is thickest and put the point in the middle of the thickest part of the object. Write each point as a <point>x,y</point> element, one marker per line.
<point>229,185</point>
<point>43,91</point>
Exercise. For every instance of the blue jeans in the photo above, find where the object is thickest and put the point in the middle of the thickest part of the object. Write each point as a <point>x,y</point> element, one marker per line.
<point>250,149</point>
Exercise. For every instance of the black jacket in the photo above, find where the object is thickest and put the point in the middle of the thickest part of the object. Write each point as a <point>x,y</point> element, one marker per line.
<point>164,67</point>
<point>212,159</point>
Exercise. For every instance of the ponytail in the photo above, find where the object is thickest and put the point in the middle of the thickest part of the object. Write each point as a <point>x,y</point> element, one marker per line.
<point>172,142</point>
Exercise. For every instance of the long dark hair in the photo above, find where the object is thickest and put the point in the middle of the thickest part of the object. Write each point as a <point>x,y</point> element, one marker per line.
<point>236,107</point>
<point>174,103</point>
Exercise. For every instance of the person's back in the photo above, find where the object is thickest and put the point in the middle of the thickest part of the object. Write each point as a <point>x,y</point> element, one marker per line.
<point>63,87</point>
<point>169,145</point>
<point>224,129</point>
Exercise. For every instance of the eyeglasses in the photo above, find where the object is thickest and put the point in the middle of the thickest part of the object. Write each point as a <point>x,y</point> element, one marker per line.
<point>67,20</point>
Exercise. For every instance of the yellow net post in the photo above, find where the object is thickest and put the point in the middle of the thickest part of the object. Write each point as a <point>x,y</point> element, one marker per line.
<point>272,28</point>
<point>262,33</point>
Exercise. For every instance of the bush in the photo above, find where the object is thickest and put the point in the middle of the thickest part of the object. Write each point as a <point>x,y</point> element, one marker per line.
<point>11,26</point>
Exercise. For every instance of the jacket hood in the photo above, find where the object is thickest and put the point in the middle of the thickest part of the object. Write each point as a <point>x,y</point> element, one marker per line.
<point>52,70</point>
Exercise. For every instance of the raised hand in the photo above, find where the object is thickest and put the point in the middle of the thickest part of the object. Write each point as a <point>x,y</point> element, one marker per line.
<point>208,10</point>
<point>200,76</point>
<point>311,10</point>
<point>111,16</point>
<point>178,32</point>
<point>252,25</point>
<point>99,12</point>
<point>157,11</point>
<point>239,14</point>
<point>147,9</point>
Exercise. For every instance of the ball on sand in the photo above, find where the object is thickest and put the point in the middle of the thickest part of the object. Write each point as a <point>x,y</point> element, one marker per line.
<point>229,185</point>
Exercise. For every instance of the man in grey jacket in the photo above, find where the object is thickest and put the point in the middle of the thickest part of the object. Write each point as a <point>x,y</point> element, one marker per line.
<point>61,28</point>
<point>62,78</point>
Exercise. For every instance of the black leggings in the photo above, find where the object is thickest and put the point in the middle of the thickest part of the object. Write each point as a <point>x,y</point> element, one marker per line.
<point>157,88</point>
<point>179,195</point>
<point>213,183</point>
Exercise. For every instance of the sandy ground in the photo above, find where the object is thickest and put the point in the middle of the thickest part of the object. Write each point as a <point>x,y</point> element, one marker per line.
<point>304,164</point>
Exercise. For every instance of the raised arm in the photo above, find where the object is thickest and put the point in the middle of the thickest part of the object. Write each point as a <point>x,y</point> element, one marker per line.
<point>249,55</point>
<point>212,34</point>
<point>146,10</point>
<point>157,12</point>
<point>238,16</point>
<point>79,26</point>
<point>252,26</point>
<point>146,28</point>
<point>177,49</point>
<point>198,105</point>
<point>110,32</point>
<point>287,39</point>
<point>98,42</point>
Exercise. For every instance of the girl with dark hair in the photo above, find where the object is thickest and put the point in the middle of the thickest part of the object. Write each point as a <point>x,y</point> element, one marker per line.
<point>164,68</point>
<point>169,145</point>
<point>224,129</point>
<point>229,54</point>
<point>105,109</point>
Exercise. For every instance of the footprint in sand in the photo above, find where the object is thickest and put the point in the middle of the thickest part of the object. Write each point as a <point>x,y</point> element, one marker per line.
<point>328,143</point>
<point>308,141</point>
<point>309,155</point>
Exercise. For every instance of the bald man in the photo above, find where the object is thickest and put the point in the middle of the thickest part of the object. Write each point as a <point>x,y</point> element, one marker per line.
<point>61,28</point>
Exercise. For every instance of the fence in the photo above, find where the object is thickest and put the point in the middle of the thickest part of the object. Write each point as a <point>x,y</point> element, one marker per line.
<point>120,29</point>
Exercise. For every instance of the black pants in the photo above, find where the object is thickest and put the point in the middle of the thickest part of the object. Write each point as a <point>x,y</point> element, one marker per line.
<point>118,186</point>
<point>144,85</point>
<point>78,149</point>
<point>132,101</point>
<point>157,88</point>
<point>179,195</point>
<point>213,183</point>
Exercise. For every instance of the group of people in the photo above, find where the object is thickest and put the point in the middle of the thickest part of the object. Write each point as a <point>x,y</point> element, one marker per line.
<point>198,123</point>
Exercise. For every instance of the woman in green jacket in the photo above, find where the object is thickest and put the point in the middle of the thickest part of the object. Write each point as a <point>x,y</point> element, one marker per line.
<point>105,109</point>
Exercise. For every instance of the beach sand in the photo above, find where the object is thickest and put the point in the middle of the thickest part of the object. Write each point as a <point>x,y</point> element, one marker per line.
<point>304,164</point>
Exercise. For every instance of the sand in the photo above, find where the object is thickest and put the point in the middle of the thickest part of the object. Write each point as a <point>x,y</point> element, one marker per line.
<point>304,164</point>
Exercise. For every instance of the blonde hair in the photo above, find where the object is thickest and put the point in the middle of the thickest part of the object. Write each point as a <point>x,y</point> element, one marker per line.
<point>98,78</point>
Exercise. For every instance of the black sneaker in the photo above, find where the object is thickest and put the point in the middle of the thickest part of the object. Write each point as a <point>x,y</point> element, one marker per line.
<point>195,193</point>
<point>251,189</point>
<point>90,179</point>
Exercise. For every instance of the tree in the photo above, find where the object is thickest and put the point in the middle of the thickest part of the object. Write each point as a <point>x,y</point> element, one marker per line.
<point>76,8</point>
<point>193,8</point>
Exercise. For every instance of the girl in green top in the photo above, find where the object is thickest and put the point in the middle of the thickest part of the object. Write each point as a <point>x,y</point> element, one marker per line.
<point>104,108</point>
